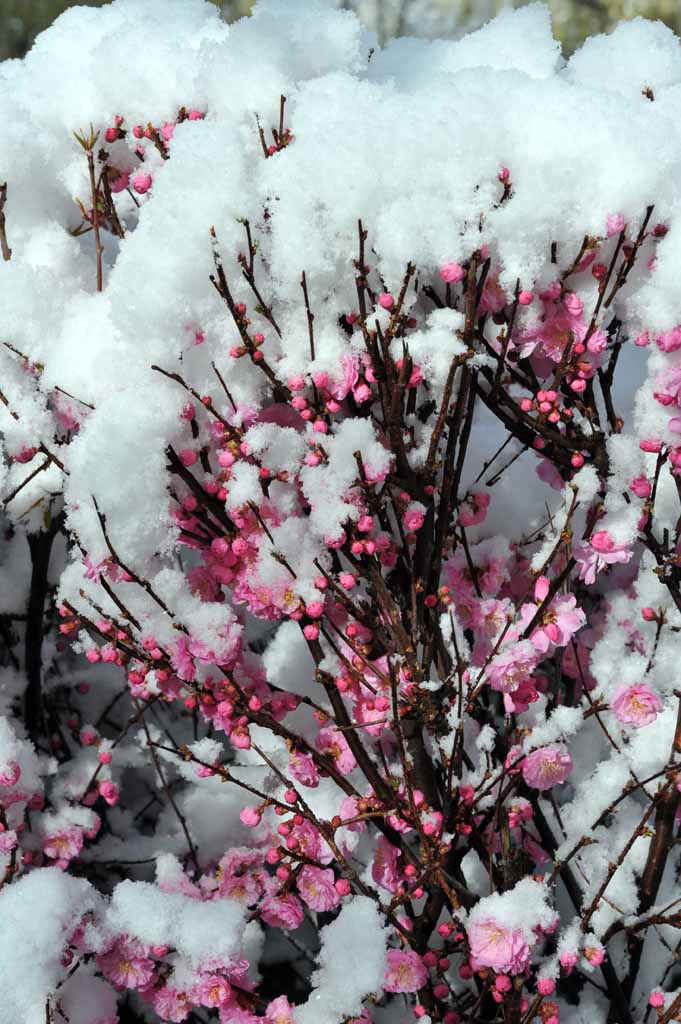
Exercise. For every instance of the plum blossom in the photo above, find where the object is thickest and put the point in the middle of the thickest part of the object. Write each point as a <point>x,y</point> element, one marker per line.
<point>405,971</point>
<point>316,886</point>
<point>558,623</point>
<point>602,550</point>
<point>636,705</point>
<point>494,945</point>
<point>279,1011</point>
<point>282,911</point>
<point>331,741</point>
<point>127,966</point>
<point>512,667</point>
<point>547,767</point>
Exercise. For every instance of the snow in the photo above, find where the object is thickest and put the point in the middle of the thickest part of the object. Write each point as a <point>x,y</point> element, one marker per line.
<point>352,961</point>
<point>31,943</point>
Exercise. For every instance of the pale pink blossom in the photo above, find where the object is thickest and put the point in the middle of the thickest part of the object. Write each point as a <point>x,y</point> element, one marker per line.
<point>279,1011</point>
<point>141,183</point>
<point>171,1004</point>
<point>64,845</point>
<point>414,516</point>
<point>557,625</point>
<point>332,742</point>
<point>636,705</point>
<point>10,773</point>
<point>282,911</point>
<point>213,991</point>
<point>316,886</point>
<point>452,273</point>
<point>127,966</point>
<point>494,945</point>
<point>473,509</point>
<point>547,767</point>
<point>303,769</point>
<point>513,666</point>
<point>600,552</point>
<point>384,870</point>
<point>405,971</point>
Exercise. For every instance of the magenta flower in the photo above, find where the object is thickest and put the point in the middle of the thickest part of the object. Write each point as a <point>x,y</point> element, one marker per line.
<point>636,705</point>
<point>512,667</point>
<point>282,911</point>
<point>64,845</point>
<point>126,966</point>
<point>331,741</point>
<point>316,887</point>
<point>602,551</point>
<point>558,624</point>
<point>213,991</point>
<point>279,1011</point>
<point>547,767</point>
<point>405,971</point>
<point>171,1004</point>
<point>494,945</point>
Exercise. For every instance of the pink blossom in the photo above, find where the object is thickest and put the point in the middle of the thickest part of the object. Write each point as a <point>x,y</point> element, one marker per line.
<point>171,1004</point>
<point>636,705</point>
<point>109,791</point>
<point>513,666</point>
<point>213,991</point>
<point>250,816</point>
<point>127,966</point>
<point>386,300</point>
<point>279,1011</point>
<point>669,341</point>
<point>316,886</point>
<point>141,183</point>
<point>560,325</point>
<point>667,389</point>
<point>182,660</point>
<point>493,298</point>
<point>547,767</point>
<point>414,516</point>
<point>494,945</point>
<point>303,769</point>
<point>384,870</point>
<point>405,971</point>
<point>64,844</point>
<point>474,508</point>
<point>452,273</point>
<point>558,624</point>
<point>282,911</point>
<point>8,841</point>
<point>615,224</point>
<point>10,773</point>
<point>595,556</point>
<point>120,183</point>
<point>332,742</point>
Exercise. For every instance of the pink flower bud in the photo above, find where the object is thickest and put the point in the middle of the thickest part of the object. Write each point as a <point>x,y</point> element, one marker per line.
<point>386,300</point>
<point>141,183</point>
<point>109,791</point>
<point>452,273</point>
<point>525,298</point>
<point>10,774</point>
<point>250,816</point>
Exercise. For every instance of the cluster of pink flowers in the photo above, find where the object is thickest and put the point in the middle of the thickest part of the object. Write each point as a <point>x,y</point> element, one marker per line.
<point>333,632</point>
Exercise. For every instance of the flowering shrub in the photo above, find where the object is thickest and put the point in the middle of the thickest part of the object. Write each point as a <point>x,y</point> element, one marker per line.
<point>342,564</point>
